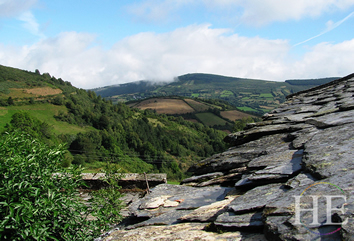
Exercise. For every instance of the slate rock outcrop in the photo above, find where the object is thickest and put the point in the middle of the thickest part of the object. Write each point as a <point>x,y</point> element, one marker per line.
<point>276,182</point>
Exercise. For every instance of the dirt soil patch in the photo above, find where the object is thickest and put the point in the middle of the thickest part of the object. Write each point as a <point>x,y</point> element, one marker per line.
<point>44,91</point>
<point>165,106</point>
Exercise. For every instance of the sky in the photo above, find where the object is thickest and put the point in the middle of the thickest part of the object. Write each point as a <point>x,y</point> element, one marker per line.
<point>98,43</point>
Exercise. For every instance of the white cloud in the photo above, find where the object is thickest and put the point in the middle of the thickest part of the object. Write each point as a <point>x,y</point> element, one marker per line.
<point>75,57</point>
<point>253,12</point>
<point>325,60</point>
<point>11,8</point>
<point>31,24</point>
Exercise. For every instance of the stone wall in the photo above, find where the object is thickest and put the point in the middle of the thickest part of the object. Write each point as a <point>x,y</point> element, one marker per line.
<point>126,180</point>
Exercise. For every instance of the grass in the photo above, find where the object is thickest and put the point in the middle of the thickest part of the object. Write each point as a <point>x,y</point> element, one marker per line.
<point>234,115</point>
<point>43,112</point>
<point>266,95</point>
<point>226,93</point>
<point>210,119</point>
<point>196,105</point>
<point>173,182</point>
<point>20,93</point>
<point>245,108</point>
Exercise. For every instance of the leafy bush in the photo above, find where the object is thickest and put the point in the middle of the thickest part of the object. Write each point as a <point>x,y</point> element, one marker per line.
<point>37,204</point>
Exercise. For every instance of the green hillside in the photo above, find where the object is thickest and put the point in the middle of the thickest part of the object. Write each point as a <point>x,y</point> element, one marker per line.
<point>252,95</point>
<point>96,131</point>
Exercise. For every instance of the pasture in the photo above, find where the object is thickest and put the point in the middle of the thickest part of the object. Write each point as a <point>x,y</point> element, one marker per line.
<point>43,112</point>
<point>196,105</point>
<point>234,115</point>
<point>246,108</point>
<point>20,93</point>
<point>210,119</point>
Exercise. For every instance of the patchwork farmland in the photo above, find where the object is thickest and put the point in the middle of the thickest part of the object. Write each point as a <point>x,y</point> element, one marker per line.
<point>193,110</point>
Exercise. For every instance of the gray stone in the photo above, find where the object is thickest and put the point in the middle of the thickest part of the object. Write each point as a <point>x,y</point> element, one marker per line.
<point>165,218</point>
<point>256,199</point>
<point>207,213</point>
<point>226,180</point>
<point>336,119</point>
<point>300,138</point>
<point>126,180</point>
<point>257,132</point>
<point>202,178</point>
<point>182,231</point>
<point>276,159</point>
<point>231,159</point>
<point>330,152</point>
<point>162,196</point>
<point>240,221</point>
<point>297,117</point>
<point>277,167</point>
<point>308,109</point>
<point>303,179</point>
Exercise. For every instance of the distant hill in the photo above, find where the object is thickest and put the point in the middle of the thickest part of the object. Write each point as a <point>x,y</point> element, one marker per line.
<point>251,95</point>
<point>129,88</point>
<point>311,81</point>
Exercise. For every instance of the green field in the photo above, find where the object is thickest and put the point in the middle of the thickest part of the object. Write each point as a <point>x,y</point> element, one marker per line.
<point>245,108</point>
<point>43,112</point>
<point>210,119</point>
<point>196,105</point>
<point>226,93</point>
<point>266,95</point>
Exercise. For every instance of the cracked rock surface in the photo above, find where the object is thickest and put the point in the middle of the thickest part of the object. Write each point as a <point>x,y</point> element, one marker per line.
<point>268,184</point>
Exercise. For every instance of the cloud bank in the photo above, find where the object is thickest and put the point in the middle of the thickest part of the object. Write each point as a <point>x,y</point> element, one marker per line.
<point>76,57</point>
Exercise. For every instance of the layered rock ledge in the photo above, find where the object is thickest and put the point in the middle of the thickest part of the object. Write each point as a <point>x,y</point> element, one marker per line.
<point>126,180</point>
<point>304,149</point>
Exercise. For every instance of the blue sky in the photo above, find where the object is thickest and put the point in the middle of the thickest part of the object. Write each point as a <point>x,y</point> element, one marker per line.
<point>97,43</point>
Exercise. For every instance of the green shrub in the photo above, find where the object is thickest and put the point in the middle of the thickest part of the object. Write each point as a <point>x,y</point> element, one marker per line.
<point>37,205</point>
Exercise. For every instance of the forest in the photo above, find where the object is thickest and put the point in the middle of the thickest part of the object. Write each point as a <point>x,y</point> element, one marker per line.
<point>133,140</point>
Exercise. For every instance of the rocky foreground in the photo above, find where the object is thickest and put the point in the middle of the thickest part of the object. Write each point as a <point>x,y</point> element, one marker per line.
<point>302,151</point>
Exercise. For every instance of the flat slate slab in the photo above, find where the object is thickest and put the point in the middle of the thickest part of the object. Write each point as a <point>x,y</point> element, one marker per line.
<point>330,152</point>
<point>241,221</point>
<point>256,198</point>
<point>158,202</point>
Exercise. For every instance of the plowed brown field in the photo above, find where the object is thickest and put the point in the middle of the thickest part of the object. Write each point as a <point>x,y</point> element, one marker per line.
<point>165,106</point>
